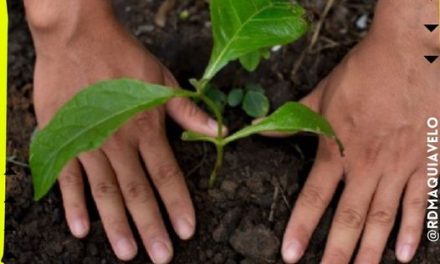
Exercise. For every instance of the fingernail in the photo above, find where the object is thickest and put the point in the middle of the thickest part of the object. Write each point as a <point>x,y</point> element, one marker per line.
<point>160,252</point>
<point>213,125</point>
<point>292,252</point>
<point>126,249</point>
<point>79,228</point>
<point>184,228</point>
<point>405,252</point>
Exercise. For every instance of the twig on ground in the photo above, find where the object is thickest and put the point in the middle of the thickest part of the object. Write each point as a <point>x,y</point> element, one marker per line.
<point>12,160</point>
<point>274,203</point>
<point>313,40</point>
<point>283,195</point>
<point>161,16</point>
<point>200,164</point>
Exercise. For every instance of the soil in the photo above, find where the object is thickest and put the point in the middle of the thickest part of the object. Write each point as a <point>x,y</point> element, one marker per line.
<point>242,219</point>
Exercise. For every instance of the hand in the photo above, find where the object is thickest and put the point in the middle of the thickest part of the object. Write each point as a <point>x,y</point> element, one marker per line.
<point>99,51</point>
<point>378,100</point>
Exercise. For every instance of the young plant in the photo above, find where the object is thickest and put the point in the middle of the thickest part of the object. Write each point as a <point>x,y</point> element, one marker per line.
<point>243,30</point>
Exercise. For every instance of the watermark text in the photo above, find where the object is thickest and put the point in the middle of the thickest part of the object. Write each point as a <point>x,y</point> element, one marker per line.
<point>432,173</point>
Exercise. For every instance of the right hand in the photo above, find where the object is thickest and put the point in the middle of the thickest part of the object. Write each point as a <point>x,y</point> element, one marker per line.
<point>73,53</point>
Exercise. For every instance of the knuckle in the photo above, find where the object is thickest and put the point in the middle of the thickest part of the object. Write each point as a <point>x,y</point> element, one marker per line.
<point>371,152</point>
<point>337,256</point>
<point>70,179</point>
<point>117,224</point>
<point>190,110</point>
<point>116,143</point>
<point>117,139</point>
<point>136,192</point>
<point>382,216</point>
<point>312,197</point>
<point>350,218</point>
<point>369,252</point>
<point>93,156</point>
<point>418,203</point>
<point>73,206</point>
<point>413,230</point>
<point>104,190</point>
<point>165,174</point>
<point>149,119</point>
<point>151,229</point>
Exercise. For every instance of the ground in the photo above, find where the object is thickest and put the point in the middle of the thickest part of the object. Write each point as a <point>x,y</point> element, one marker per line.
<point>243,218</point>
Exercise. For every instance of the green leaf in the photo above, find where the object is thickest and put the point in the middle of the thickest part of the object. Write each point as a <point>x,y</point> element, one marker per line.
<point>217,96</point>
<point>235,97</point>
<point>289,118</point>
<point>242,27</point>
<point>86,121</point>
<point>250,61</point>
<point>255,104</point>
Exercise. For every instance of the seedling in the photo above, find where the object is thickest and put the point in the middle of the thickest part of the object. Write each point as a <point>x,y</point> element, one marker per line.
<point>243,30</point>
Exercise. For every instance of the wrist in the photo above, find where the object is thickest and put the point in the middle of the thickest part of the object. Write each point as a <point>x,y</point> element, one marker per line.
<point>401,24</point>
<point>56,24</point>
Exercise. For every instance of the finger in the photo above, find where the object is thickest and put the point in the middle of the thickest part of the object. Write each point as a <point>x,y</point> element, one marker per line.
<point>188,114</point>
<point>191,117</point>
<point>139,199</point>
<point>414,209</point>
<point>169,181</point>
<point>349,219</point>
<point>380,219</point>
<point>109,202</point>
<point>72,191</point>
<point>311,204</point>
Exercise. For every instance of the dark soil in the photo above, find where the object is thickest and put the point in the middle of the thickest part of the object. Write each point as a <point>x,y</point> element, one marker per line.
<point>242,220</point>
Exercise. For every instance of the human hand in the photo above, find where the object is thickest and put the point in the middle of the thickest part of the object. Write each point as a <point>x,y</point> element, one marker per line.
<point>378,101</point>
<point>75,53</point>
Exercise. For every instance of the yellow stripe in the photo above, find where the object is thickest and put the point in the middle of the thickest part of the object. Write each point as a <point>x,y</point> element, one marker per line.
<point>3,96</point>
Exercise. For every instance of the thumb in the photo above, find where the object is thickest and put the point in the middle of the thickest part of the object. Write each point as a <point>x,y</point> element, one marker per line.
<point>188,115</point>
<point>313,99</point>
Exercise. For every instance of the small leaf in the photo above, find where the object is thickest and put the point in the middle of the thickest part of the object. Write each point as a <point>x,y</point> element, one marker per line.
<point>250,61</point>
<point>217,96</point>
<point>255,104</point>
<point>291,117</point>
<point>265,53</point>
<point>235,97</point>
<point>86,121</point>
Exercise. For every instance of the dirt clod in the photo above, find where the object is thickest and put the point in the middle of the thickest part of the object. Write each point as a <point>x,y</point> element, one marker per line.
<point>258,243</point>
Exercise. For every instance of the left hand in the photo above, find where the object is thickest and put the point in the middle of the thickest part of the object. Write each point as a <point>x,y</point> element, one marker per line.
<point>378,101</point>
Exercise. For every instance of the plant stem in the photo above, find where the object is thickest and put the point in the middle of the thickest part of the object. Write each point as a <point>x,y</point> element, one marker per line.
<point>218,164</point>
<point>217,114</point>
<point>219,140</point>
